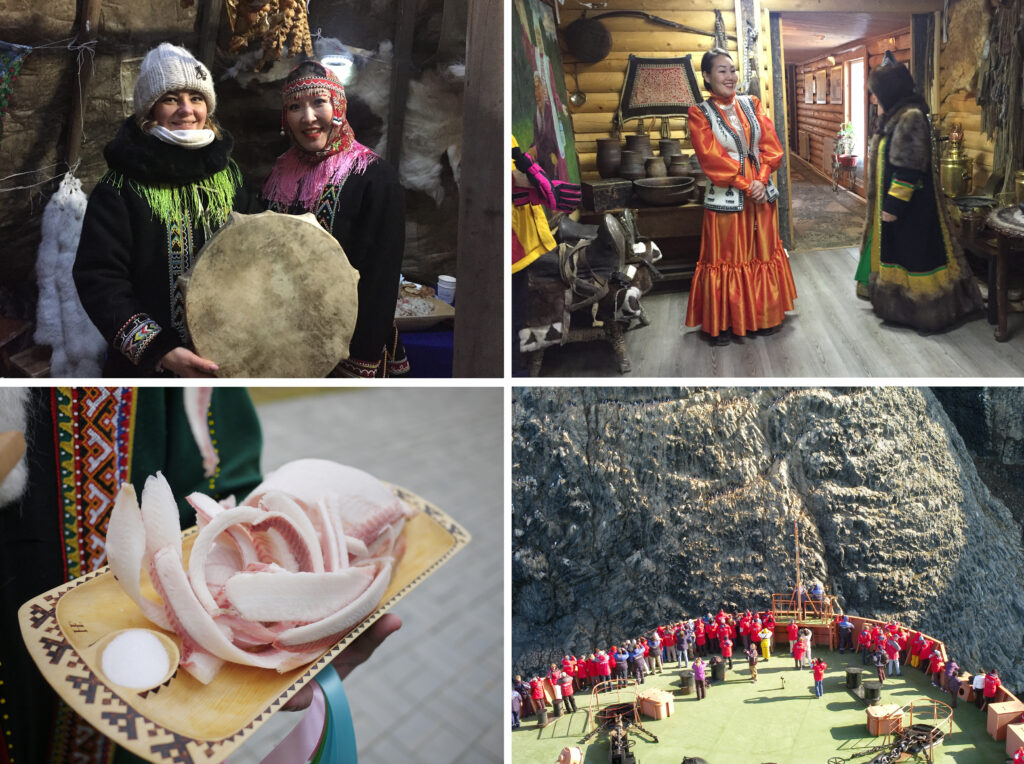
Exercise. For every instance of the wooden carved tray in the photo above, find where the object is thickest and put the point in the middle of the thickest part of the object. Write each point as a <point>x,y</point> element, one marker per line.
<point>184,720</point>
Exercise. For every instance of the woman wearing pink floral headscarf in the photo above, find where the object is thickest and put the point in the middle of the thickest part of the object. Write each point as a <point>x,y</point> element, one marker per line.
<point>356,196</point>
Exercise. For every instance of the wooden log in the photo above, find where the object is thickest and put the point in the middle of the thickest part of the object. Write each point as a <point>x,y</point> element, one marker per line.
<point>657,7</point>
<point>479,323</point>
<point>669,41</point>
<point>702,19</point>
<point>902,56</point>
<point>878,45</point>
<point>89,22</point>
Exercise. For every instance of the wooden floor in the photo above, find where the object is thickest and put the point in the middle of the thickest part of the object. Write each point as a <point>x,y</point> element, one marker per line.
<point>830,334</point>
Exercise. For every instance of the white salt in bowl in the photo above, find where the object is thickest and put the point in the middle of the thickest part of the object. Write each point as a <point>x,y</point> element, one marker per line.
<point>136,659</point>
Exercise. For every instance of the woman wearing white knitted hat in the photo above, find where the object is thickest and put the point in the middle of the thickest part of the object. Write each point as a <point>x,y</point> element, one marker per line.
<point>170,183</point>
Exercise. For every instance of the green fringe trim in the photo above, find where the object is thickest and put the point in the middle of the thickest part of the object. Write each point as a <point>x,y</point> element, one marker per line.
<point>211,198</point>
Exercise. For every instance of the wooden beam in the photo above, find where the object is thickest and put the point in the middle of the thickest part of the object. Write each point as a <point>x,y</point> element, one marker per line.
<point>209,25</point>
<point>781,129</point>
<point>480,265</point>
<point>401,64</point>
<point>863,6</point>
<point>87,29</point>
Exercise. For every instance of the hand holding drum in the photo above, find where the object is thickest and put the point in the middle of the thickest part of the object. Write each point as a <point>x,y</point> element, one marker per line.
<point>272,295</point>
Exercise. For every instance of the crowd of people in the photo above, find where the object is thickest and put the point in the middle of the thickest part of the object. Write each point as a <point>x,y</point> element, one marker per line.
<point>888,648</point>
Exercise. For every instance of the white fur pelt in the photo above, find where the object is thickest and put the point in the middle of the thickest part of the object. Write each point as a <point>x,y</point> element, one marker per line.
<point>13,416</point>
<point>433,119</point>
<point>61,321</point>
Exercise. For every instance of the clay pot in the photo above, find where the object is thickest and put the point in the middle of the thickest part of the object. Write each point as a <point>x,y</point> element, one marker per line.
<point>631,165</point>
<point>655,167</point>
<point>679,166</point>
<point>609,156</point>
<point>641,143</point>
<point>669,147</point>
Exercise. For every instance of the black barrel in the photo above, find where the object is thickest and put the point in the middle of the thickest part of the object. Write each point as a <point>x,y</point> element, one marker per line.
<point>872,692</point>
<point>542,716</point>
<point>718,671</point>
<point>686,675</point>
<point>557,710</point>
<point>853,677</point>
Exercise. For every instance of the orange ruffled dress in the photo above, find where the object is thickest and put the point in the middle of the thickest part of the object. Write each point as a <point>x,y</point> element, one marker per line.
<point>742,281</point>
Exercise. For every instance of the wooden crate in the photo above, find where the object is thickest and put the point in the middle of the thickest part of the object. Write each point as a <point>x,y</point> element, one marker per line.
<point>1014,738</point>
<point>1000,715</point>
<point>656,704</point>
<point>610,194</point>
<point>884,719</point>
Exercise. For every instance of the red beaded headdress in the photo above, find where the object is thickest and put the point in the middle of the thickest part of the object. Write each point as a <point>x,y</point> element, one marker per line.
<point>299,175</point>
<point>341,136</point>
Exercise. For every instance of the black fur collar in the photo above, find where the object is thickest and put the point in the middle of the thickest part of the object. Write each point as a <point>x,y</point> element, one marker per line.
<point>149,160</point>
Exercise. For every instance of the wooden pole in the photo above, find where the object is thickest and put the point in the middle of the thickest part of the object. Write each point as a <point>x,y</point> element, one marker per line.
<point>90,19</point>
<point>799,599</point>
<point>480,266</point>
<point>209,24</point>
<point>401,63</point>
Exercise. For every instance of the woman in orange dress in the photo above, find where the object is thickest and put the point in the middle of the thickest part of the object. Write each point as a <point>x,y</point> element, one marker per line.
<point>742,282</point>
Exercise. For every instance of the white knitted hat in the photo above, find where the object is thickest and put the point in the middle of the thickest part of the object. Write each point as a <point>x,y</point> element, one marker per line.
<point>168,67</point>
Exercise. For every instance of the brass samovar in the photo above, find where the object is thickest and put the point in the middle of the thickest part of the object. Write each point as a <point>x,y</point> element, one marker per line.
<point>956,169</point>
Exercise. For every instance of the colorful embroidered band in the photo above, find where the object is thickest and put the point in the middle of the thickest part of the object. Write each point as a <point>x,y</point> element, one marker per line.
<point>137,332</point>
<point>902,190</point>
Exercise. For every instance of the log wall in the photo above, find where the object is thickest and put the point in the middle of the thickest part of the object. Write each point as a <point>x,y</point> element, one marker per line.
<point>958,60</point>
<point>602,81</point>
<point>822,120</point>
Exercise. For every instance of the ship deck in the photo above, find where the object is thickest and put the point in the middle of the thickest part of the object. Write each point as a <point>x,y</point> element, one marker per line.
<point>776,720</point>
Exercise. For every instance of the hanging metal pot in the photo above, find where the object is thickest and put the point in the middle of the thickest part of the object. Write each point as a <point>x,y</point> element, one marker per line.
<point>588,40</point>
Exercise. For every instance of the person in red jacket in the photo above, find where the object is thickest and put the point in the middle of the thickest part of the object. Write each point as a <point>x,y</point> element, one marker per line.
<point>726,645</point>
<point>582,672</point>
<point>819,676</point>
<point>668,639</point>
<point>569,666</point>
<point>792,631</point>
<point>700,638</point>
<point>537,694</point>
<point>565,683</point>
<point>711,631</point>
<point>743,629</point>
<point>992,684</point>
<point>798,653</point>
<point>864,645</point>
<point>1018,758</point>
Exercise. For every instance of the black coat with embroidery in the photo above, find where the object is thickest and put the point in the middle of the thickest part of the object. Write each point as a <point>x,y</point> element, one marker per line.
<point>128,261</point>
<point>367,217</point>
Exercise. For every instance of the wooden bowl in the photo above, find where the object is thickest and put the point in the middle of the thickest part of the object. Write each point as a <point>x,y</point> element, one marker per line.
<point>664,191</point>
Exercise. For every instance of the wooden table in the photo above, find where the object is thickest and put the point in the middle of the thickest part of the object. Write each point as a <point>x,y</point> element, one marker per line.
<point>676,230</point>
<point>1009,243</point>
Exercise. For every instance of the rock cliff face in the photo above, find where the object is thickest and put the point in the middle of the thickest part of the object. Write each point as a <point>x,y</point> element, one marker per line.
<point>991,422</point>
<point>635,506</point>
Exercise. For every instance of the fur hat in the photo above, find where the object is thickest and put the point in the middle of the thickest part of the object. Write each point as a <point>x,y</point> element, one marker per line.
<point>168,67</point>
<point>891,82</point>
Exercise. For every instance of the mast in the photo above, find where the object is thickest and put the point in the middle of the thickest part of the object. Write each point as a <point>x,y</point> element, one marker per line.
<point>796,541</point>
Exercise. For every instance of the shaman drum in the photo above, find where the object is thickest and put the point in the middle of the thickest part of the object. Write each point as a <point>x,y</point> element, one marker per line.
<point>272,295</point>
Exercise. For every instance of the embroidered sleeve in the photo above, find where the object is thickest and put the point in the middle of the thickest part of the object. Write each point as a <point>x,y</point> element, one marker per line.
<point>721,169</point>
<point>135,335</point>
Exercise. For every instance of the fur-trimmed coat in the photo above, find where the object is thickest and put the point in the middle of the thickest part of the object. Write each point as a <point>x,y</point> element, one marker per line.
<point>914,268</point>
<point>128,261</point>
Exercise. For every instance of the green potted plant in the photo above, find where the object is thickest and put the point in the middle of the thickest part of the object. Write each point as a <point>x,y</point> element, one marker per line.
<point>846,140</point>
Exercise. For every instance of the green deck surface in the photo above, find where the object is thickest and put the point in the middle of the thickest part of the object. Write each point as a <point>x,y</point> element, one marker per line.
<point>745,723</point>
